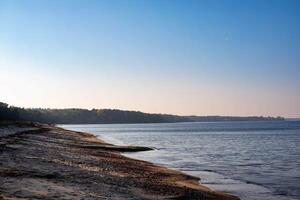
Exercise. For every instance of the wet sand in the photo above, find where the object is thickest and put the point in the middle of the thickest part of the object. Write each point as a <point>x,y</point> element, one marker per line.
<point>45,162</point>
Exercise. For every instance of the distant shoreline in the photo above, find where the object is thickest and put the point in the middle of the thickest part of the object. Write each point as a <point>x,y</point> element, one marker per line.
<point>108,116</point>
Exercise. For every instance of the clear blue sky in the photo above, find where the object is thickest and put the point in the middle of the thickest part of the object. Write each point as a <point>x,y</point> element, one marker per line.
<point>225,57</point>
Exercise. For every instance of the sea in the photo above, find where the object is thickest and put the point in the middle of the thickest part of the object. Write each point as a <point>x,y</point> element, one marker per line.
<point>255,160</point>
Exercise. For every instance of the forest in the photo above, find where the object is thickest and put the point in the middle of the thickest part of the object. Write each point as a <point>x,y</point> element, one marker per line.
<point>106,116</point>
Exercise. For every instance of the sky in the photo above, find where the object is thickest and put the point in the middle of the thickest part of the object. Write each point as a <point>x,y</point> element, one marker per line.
<point>216,57</point>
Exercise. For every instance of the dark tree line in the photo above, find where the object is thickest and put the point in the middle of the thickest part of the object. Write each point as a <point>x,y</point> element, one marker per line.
<point>8,113</point>
<point>105,116</point>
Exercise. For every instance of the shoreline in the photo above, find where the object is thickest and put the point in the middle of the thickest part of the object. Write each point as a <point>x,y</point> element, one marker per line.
<point>49,162</point>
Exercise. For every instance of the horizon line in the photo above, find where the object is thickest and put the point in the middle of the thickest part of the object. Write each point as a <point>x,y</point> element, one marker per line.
<point>158,113</point>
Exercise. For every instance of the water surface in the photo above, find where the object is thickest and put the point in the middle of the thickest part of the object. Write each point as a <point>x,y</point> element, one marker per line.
<point>255,160</point>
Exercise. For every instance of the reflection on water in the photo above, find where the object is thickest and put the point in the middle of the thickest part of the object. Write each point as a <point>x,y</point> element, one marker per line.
<point>255,160</point>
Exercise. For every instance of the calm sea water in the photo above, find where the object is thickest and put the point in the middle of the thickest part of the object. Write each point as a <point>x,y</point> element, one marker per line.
<point>254,160</point>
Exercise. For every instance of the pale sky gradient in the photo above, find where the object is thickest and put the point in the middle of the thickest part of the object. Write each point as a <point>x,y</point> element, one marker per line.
<point>223,57</point>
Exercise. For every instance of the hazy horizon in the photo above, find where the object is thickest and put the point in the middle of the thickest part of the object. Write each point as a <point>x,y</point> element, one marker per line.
<point>55,108</point>
<point>228,58</point>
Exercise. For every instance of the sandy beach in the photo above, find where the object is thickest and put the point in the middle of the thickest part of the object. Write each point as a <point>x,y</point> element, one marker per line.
<point>40,161</point>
